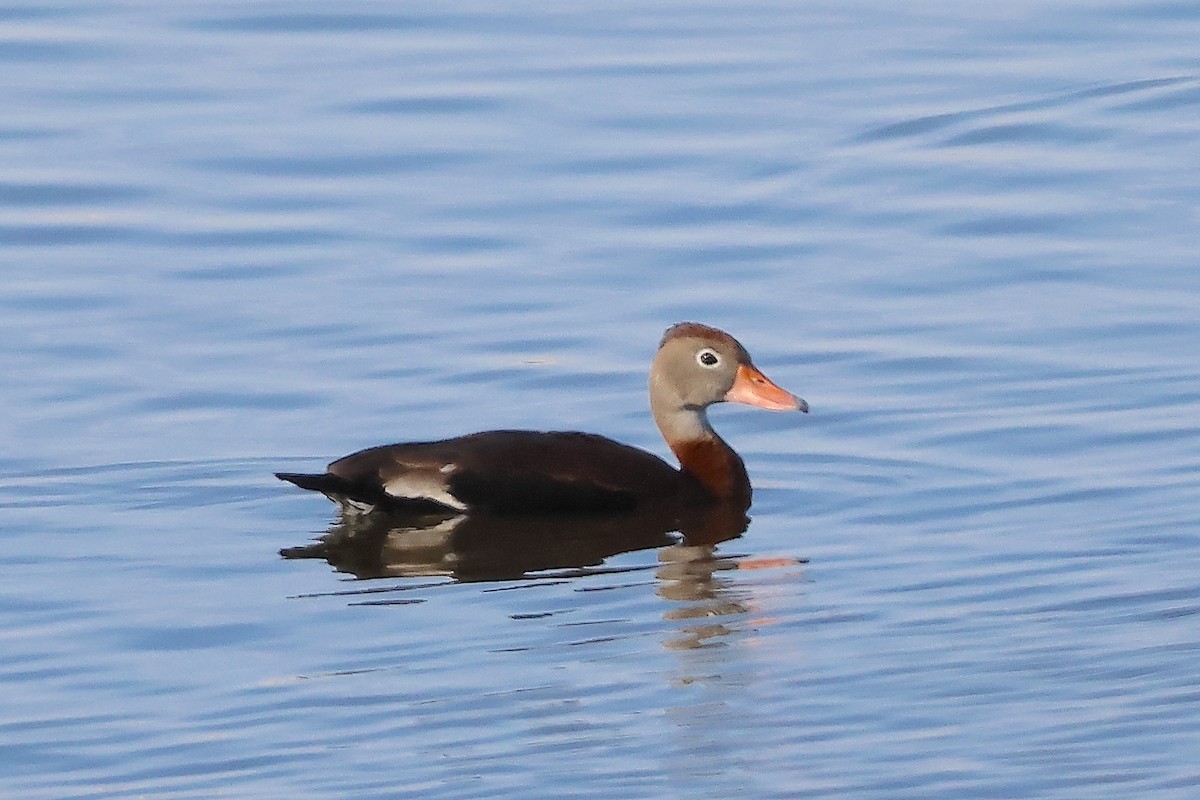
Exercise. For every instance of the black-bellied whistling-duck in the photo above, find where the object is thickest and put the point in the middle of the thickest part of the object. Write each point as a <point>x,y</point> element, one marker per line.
<point>508,472</point>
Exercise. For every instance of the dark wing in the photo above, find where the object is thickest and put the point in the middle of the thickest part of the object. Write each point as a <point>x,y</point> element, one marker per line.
<point>510,472</point>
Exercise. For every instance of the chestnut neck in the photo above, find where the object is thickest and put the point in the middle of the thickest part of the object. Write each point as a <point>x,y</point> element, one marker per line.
<point>716,467</point>
<point>704,457</point>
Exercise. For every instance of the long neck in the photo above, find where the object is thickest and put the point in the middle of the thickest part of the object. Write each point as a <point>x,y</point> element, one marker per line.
<point>703,455</point>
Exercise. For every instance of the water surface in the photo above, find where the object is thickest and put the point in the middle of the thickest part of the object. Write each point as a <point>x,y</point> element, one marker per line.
<point>239,238</point>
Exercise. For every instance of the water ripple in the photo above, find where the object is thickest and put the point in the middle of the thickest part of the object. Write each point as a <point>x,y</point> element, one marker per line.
<point>237,241</point>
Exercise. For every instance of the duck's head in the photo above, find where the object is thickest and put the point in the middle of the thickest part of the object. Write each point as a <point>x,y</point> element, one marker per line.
<point>697,366</point>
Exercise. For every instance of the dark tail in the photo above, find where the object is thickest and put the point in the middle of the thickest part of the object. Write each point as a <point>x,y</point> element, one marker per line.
<point>346,494</point>
<point>316,483</point>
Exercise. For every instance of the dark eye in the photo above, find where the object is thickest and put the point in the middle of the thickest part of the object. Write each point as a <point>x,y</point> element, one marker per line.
<point>707,358</point>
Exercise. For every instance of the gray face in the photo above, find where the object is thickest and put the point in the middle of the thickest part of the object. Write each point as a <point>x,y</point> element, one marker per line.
<point>694,371</point>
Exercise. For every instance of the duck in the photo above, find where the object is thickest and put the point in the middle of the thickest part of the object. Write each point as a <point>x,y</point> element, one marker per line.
<point>503,472</point>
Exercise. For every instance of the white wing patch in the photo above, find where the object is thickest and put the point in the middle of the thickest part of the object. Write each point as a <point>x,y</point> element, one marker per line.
<point>351,507</point>
<point>424,485</point>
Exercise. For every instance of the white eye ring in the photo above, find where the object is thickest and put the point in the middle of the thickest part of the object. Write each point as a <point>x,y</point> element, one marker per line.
<point>708,358</point>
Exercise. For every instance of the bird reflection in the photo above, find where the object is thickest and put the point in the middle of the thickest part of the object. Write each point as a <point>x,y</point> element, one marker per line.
<point>687,575</point>
<point>480,547</point>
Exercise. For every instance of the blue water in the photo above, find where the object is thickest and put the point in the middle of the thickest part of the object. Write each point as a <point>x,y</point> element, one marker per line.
<point>243,237</point>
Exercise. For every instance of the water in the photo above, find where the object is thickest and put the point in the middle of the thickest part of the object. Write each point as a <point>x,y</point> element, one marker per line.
<point>238,238</point>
